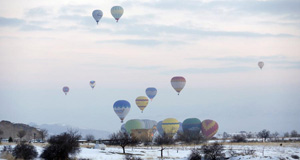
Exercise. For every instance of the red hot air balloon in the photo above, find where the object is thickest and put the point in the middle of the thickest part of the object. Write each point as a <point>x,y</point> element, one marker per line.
<point>209,128</point>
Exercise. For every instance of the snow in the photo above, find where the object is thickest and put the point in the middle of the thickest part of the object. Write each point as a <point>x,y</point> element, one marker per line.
<point>265,151</point>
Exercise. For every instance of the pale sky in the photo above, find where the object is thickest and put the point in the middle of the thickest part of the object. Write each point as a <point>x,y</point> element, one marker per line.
<point>215,45</point>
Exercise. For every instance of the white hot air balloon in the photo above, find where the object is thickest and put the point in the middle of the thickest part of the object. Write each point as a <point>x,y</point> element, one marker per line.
<point>261,64</point>
<point>117,12</point>
<point>97,14</point>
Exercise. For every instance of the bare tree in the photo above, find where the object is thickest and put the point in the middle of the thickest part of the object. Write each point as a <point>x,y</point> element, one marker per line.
<point>286,134</point>
<point>122,139</point>
<point>275,135</point>
<point>163,140</point>
<point>294,133</point>
<point>225,135</point>
<point>44,134</point>
<point>264,134</point>
<point>89,137</point>
<point>21,134</point>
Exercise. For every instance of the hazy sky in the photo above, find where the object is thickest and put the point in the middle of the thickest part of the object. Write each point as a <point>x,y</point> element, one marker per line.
<point>215,45</point>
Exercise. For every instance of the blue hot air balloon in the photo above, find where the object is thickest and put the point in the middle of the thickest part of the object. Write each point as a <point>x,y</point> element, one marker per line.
<point>66,90</point>
<point>159,128</point>
<point>151,92</point>
<point>121,107</point>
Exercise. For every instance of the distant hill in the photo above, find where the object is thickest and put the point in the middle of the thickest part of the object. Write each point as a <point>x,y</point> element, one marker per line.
<point>11,130</point>
<point>54,129</point>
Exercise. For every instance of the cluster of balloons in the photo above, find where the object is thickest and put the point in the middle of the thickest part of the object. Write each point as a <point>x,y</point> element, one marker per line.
<point>193,126</point>
<point>66,89</point>
<point>116,12</point>
<point>171,126</point>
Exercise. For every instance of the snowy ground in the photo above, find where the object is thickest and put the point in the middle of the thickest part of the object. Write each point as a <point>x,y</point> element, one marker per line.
<point>262,151</point>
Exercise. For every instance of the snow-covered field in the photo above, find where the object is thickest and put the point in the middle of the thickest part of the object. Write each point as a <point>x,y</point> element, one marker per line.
<point>262,151</point>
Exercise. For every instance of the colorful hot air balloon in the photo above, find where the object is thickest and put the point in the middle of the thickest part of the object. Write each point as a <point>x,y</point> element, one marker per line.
<point>134,124</point>
<point>178,83</point>
<point>141,102</point>
<point>117,12</point>
<point>65,90</point>
<point>261,64</point>
<point>92,84</point>
<point>121,107</point>
<point>191,126</point>
<point>97,14</point>
<point>151,92</point>
<point>209,128</point>
<point>170,126</point>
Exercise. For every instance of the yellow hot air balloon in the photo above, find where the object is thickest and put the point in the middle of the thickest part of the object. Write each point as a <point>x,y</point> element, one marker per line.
<point>141,102</point>
<point>170,126</point>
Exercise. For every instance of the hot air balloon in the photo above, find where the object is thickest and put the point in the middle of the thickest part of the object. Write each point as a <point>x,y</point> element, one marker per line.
<point>117,12</point>
<point>141,102</point>
<point>149,124</point>
<point>65,90</point>
<point>170,126</point>
<point>209,128</point>
<point>159,128</point>
<point>134,124</point>
<point>92,84</point>
<point>261,64</point>
<point>178,83</point>
<point>97,14</point>
<point>151,92</point>
<point>123,129</point>
<point>121,107</point>
<point>191,126</point>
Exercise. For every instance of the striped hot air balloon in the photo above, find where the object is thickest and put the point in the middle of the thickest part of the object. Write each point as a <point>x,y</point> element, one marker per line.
<point>151,92</point>
<point>170,126</point>
<point>141,102</point>
<point>178,83</point>
<point>121,108</point>
<point>209,128</point>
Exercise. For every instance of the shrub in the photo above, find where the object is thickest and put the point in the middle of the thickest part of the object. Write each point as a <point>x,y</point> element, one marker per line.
<point>239,138</point>
<point>10,139</point>
<point>61,146</point>
<point>213,151</point>
<point>195,155</point>
<point>24,151</point>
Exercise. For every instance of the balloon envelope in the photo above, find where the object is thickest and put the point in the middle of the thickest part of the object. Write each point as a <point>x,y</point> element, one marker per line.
<point>261,64</point>
<point>117,12</point>
<point>141,102</point>
<point>149,124</point>
<point>209,128</point>
<point>121,107</point>
<point>97,14</point>
<point>65,90</point>
<point>159,128</point>
<point>92,84</point>
<point>191,126</point>
<point>151,92</point>
<point>170,126</point>
<point>178,83</point>
<point>134,124</point>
